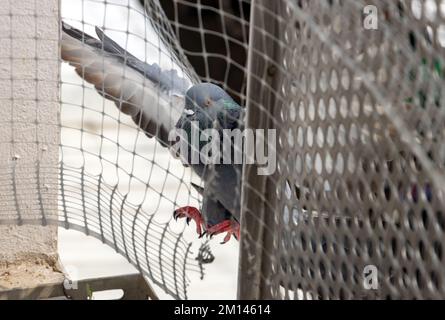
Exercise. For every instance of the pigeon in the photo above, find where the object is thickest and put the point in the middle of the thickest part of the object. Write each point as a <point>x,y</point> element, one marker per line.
<point>159,102</point>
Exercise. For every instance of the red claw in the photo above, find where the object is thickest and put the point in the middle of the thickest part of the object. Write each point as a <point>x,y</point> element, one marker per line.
<point>232,227</point>
<point>191,213</point>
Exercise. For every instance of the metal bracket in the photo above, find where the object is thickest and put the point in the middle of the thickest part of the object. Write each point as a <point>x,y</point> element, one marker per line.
<point>134,287</point>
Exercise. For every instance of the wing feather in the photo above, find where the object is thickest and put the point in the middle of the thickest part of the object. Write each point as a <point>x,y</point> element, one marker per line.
<point>153,98</point>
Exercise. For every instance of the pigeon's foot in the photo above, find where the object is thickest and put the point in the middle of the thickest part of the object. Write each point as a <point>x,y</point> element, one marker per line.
<point>191,213</point>
<point>230,226</point>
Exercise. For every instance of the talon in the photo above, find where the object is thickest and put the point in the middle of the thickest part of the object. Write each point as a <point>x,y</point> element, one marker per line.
<point>177,215</point>
<point>230,226</point>
<point>190,213</point>
<point>227,237</point>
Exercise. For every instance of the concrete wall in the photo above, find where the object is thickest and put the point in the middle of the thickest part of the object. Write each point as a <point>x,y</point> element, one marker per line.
<point>29,135</point>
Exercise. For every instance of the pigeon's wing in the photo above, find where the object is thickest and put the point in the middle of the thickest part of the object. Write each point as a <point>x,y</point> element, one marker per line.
<point>222,186</point>
<point>225,186</point>
<point>152,97</point>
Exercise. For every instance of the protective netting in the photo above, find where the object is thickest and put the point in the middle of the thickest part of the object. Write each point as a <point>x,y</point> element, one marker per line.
<point>121,185</point>
<point>353,88</point>
<point>214,37</point>
<point>112,181</point>
<point>355,209</point>
<point>116,183</point>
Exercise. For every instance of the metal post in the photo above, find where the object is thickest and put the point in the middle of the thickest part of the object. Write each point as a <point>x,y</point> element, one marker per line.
<point>258,192</point>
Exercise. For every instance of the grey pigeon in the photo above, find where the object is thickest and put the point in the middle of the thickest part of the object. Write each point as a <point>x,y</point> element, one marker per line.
<point>158,102</point>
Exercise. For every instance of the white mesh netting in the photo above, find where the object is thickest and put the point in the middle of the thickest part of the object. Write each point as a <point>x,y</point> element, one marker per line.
<point>352,88</point>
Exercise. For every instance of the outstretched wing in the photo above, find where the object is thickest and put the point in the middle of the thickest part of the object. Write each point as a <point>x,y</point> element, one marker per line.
<point>152,97</point>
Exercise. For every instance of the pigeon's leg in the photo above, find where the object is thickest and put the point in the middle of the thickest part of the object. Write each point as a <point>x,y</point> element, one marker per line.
<point>230,226</point>
<point>191,213</point>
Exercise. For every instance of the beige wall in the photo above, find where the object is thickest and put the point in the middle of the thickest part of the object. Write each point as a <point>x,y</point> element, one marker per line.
<point>29,132</point>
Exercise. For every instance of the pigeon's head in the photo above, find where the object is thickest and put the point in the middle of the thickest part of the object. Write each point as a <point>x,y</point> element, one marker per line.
<point>207,99</point>
<point>207,106</point>
<point>210,107</point>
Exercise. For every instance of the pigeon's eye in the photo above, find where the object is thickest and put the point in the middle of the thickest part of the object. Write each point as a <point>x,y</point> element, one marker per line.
<point>208,102</point>
<point>189,112</point>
